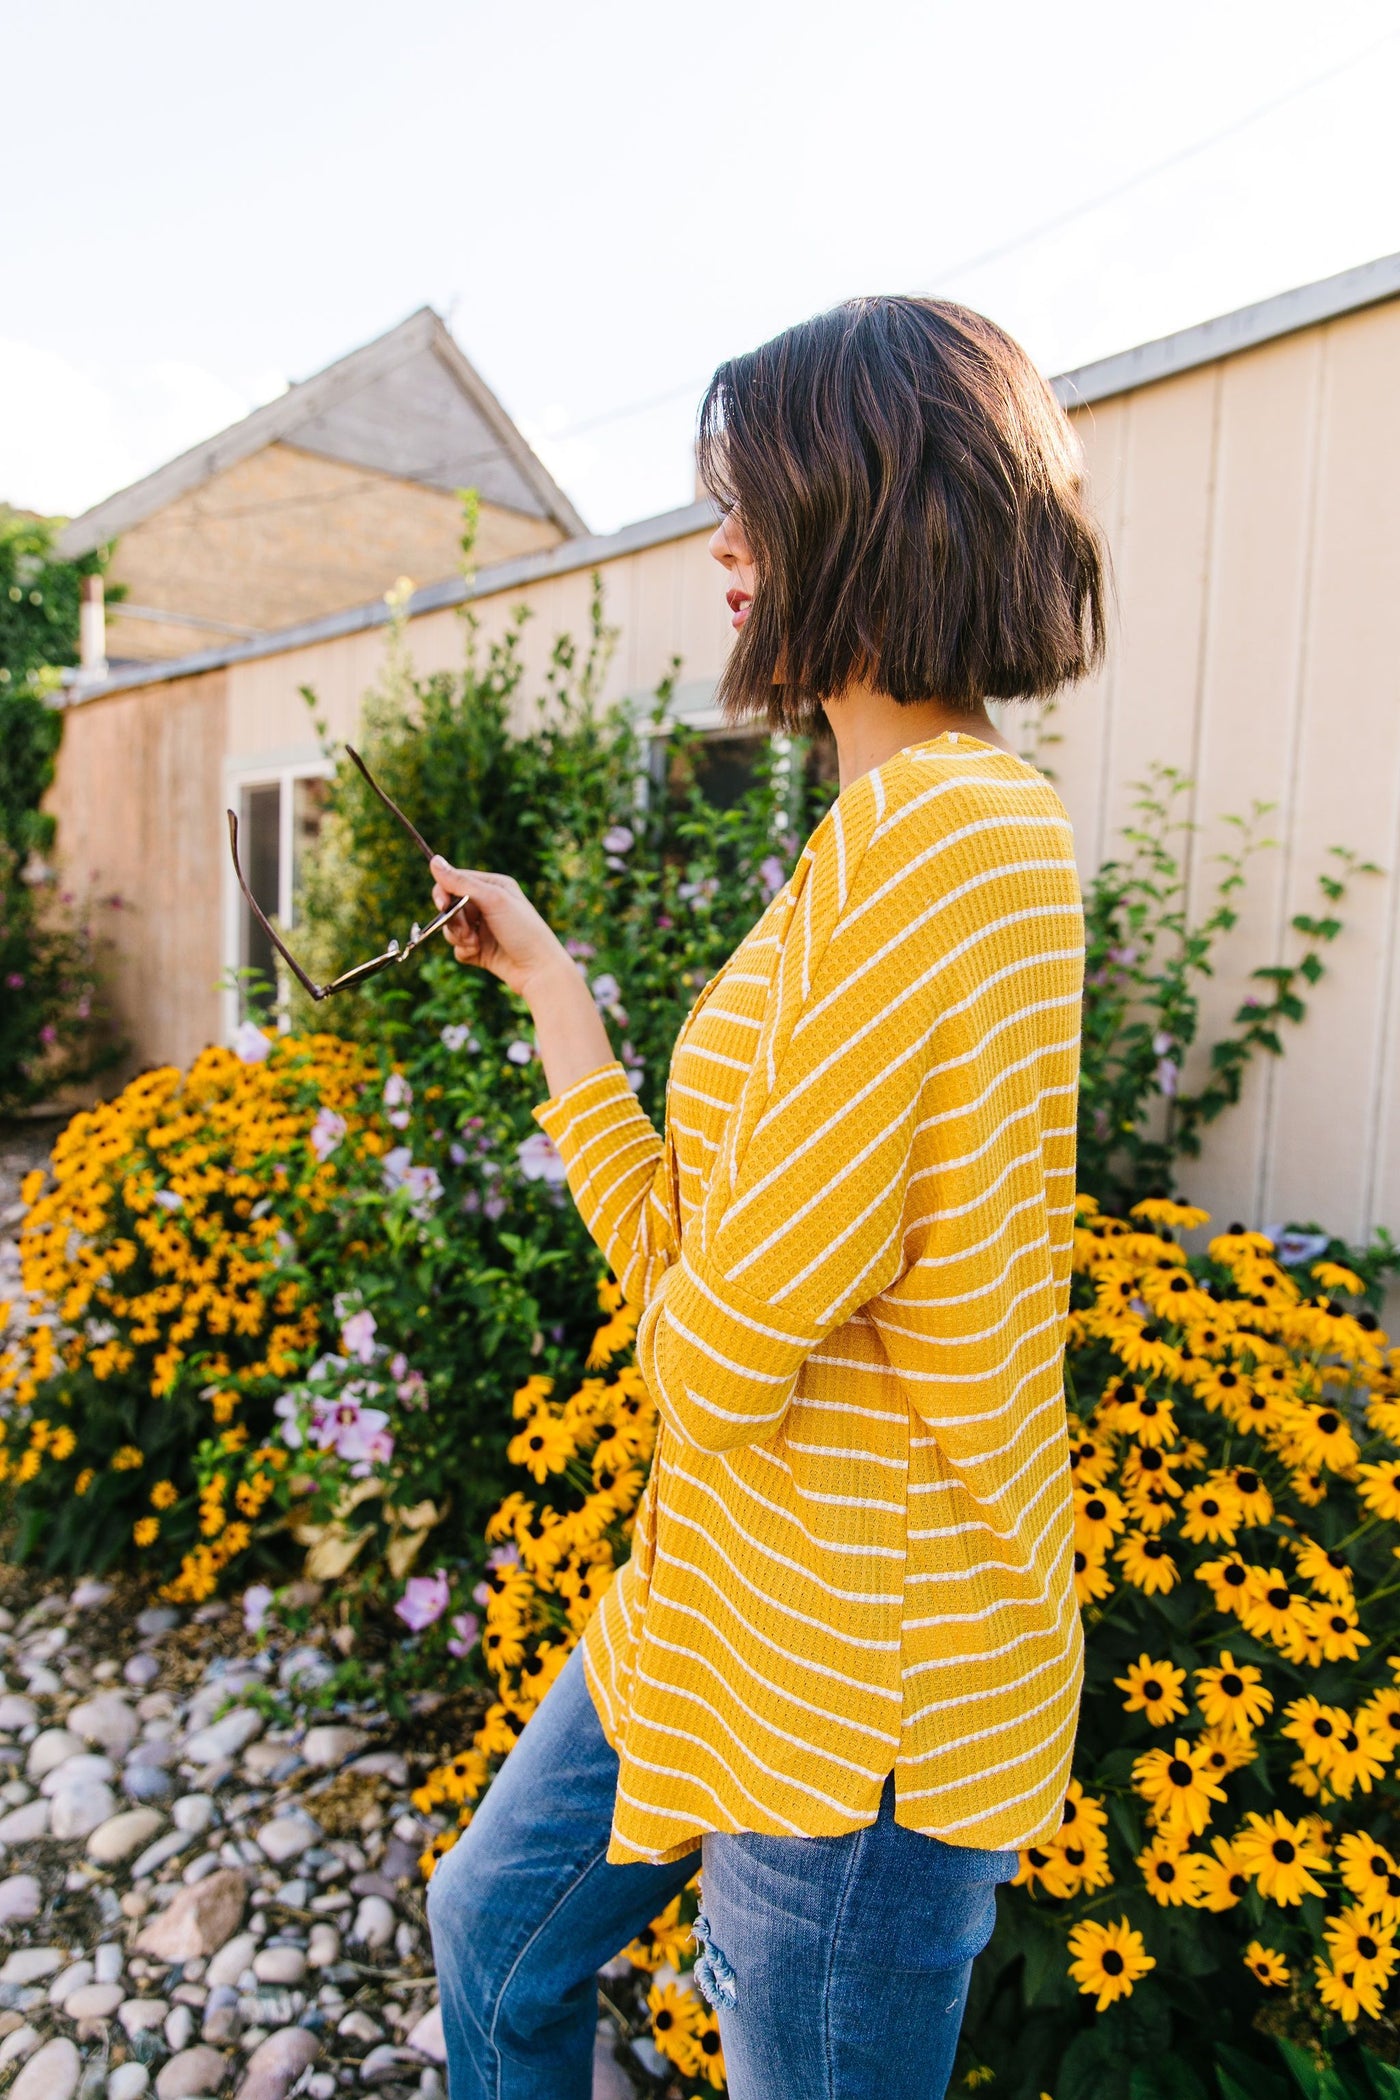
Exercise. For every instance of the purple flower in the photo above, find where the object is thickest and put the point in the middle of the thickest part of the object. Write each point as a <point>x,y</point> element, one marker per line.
<point>48,1035</point>
<point>580,950</point>
<point>494,1207</point>
<point>458,1154</point>
<point>662,920</point>
<point>1168,1072</point>
<point>424,1600</point>
<point>618,840</point>
<point>467,1629</point>
<point>15,981</point>
<point>412,1389</point>
<point>288,1410</point>
<point>605,988</point>
<point>540,1158</point>
<point>456,1036</point>
<point>424,1185</point>
<point>519,1053</point>
<point>771,875</point>
<point>326,1133</point>
<point>250,1045</point>
<point>257,1602</point>
<point>357,1336</point>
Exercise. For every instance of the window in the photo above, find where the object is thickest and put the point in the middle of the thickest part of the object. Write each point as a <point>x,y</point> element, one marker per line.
<point>279,816</point>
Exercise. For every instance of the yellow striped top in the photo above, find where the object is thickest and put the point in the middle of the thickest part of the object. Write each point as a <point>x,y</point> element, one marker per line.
<point>852,1246</point>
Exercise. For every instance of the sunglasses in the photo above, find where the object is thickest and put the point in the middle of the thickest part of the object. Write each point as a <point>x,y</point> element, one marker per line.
<point>396,952</point>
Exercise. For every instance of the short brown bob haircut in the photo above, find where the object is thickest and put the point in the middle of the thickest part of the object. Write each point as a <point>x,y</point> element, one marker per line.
<point>912,494</point>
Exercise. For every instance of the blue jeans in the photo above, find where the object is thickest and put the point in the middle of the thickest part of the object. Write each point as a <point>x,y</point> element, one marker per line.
<point>846,1958</point>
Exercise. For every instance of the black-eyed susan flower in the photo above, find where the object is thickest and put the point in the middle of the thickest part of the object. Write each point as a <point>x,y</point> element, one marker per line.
<point>1371,1873</point>
<point>1092,1580</point>
<point>1362,1757</point>
<point>1266,1965</point>
<point>1107,1960</point>
<point>1090,1458</point>
<point>146,1530</point>
<point>1380,1488</point>
<point>1211,1514</point>
<point>1178,1787</point>
<point>1099,1516</point>
<point>1282,1858</point>
<point>1225,1750</point>
<point>1278,1613</point>
<point>1346,1993</point>
<point>1339,1631</point>
<point>1221,1881</point>
<point>1317,1729</point>
<point>1362,1945</point>
<point>674,2020</point>
<point>1144,1416</point>
<point>1233,1695</point>
<point>1321,1436</point>
<point>1045,1867</point>
<point>1231,1580</point>
<point>1381,1715</point>
<point>544,1446</point>
<point>1147,1563</point>
<point>707,2042</point>
<point>1153,1689</point>
<point>1256,1503</point>
<point>1324,1568</point>
<point>1169,1870</point>
<point>1169,1215</point>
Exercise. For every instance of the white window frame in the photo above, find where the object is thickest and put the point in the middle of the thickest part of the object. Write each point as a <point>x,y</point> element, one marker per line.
<point>238,775</point>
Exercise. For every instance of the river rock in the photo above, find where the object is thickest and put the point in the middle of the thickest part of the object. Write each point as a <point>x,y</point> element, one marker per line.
<point>21,1899</point>
<point>328,1746</point>
<point>147,1783</point>
<point>287,1837</point>
<point>156,1620</point>
<point>18,2044</point>
<point>128,2082</point>
<point>16,1713</point>
<point>51,1748</point>
<point>52,2074</point>
<point>231,1960</point>
<point>121,1835</point>
<point>222,2018</point>
<point>279,1964</point>
<point>426,2036</point>
<point>189,2071</point>
<point>386,2063</point>
<point>323,1947</point>
<point>200,1919</point>
<point>69,1980</point>
<point>276,2063</point>
<point>93,2001</point>
<point>193,1812</point>
<point>23,1825</point>
<point>139,2015</point>
<point>140,1671</point>
<point>179,2028</point>
<point>374,1923</point>
<point>77,1810</point>
<point>224,1738</point>
<point>81,1770</point>
<point>31,1965</point>
<point>106,1719</point>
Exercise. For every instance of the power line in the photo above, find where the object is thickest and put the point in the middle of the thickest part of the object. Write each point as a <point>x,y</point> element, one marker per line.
<point>1161,167</point>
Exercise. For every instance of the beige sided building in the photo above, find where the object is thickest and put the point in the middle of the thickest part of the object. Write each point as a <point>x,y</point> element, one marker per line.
<point>1248,474</point>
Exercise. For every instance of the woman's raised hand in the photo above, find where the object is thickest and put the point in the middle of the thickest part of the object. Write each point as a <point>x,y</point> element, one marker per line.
<point>498,928</point>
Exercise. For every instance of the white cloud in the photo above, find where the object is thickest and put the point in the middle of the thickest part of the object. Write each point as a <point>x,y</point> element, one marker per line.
<point>72,432</point>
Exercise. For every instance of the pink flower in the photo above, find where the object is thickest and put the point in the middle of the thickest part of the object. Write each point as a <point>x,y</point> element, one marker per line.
<point>425,1598</point>
<point>326,1133</point>
<point>357,1336</point>
<point>257,1602</point>
<point>467,1628</point>
<point>540,1158</point>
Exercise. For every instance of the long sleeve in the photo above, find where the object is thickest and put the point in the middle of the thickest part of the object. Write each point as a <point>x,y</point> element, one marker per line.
<point>803,1218</point>
<point>616,1167</point>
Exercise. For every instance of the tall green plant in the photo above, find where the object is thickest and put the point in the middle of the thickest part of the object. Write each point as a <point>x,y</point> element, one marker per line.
<point>1146,955</point>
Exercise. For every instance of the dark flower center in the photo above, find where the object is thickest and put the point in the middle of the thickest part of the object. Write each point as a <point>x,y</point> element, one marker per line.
<point>1238,1883</point>
<point>1247,1481</point>
<point>1338,1624</point>
<point>1366,1947</point>
<point>1179,1772</point>
<point>1111,1961</point>
<point>709,2043</point>
<point>1210,1507</point>
<point>1152,1689</point>
<point>1165,1870</point>
<point>1279,1598</point>
<point>1153,1549</point>
<point>1150,1460</point>
<point>1095,1510</point>
<point>1284,1851</point>
<point>1328,1422</point>
<point>1235,1576</point>
<point>1231,1685</point>
<point>1322,1726</point>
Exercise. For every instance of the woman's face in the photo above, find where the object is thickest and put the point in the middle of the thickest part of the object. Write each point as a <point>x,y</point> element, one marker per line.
<point>731,550</point>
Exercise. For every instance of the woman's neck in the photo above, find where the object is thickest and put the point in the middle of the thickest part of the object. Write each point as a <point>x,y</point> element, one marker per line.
<point>870,727</point>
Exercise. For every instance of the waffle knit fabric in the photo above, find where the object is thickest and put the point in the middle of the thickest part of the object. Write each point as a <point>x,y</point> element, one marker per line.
<point>852,1245</point>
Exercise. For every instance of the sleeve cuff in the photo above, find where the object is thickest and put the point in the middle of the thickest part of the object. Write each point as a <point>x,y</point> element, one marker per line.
<point>571,1117</point>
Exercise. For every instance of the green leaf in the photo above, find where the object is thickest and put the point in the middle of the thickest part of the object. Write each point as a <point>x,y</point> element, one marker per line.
<point>1384,2077</point>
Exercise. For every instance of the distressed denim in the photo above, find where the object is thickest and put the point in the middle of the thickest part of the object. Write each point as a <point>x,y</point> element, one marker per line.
<point>839,1966</point>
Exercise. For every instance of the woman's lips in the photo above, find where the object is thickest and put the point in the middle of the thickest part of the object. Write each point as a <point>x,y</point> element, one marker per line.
<point>738,603</point>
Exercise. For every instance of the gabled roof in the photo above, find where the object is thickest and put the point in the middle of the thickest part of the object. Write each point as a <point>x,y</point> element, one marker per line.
<point>408,404</point>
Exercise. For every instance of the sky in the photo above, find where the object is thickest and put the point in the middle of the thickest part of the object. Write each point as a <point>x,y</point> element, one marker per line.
<point>606,199</point>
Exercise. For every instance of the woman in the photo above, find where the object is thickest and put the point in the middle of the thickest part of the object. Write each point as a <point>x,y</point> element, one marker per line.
<point>842,1666</point>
